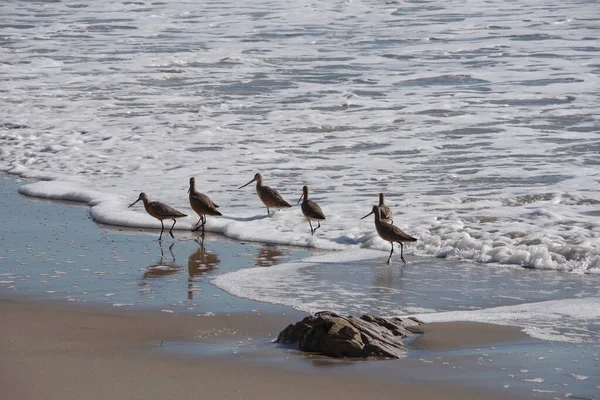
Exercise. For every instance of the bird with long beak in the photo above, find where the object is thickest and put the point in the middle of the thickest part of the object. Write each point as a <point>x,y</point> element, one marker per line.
<point>390,233</point>
<point>202,205</point>
<point>311,210</point>
<point>160,211</point>
<point>269,196</point>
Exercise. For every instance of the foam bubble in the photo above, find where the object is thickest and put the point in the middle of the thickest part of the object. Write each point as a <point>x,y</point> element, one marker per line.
<point>549,320</point>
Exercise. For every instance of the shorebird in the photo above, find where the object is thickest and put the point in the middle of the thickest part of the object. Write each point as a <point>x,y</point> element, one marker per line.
<point>160,211</point>
<point>269,196</point>
<point>202,205</point>
<point>390,233</point>
<point>384,210</point>
<point>311,210</point>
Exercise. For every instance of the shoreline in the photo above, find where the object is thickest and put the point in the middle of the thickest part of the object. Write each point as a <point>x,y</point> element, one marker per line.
<point>114,308</point>
<point>55,250</point>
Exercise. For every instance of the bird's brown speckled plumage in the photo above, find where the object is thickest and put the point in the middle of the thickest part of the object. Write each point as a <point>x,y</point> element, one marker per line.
<point>384,210</point>
<point>202,205</point>
<point>269,196</point>
<point>160,211</point>
<point>311,210</point>
<point>390,233</point>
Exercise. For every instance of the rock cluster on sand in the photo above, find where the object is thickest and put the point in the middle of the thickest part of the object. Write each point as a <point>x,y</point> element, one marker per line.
<point>333,335</point>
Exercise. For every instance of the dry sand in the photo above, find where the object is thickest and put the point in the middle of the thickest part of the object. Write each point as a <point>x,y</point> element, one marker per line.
<point>62,352</point>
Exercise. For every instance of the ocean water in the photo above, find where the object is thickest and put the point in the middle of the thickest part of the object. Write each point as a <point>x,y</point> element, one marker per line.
<point>479,120</point>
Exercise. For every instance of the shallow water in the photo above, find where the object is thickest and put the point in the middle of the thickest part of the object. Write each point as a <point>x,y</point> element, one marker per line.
<point>547,305</point>
<point>535,368</point>
<point>54,251</point>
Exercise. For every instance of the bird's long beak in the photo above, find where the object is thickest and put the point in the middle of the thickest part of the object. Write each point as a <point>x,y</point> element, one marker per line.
<point>300,198</point>
<point>367,215</point>
<point>247,184</point>
<point>133,203</point>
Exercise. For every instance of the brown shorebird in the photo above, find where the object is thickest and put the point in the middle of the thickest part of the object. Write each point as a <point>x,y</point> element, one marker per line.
<point>160,211</point>
<point>269,196</point>
<point>390,233</point>
<point>311,210</point>
<point>384,210</point>
<point>202,205</point>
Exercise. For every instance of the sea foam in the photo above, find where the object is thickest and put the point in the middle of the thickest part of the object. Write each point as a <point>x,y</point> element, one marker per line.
<point>358,281</point>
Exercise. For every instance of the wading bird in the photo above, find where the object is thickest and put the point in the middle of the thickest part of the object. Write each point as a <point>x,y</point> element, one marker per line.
<point>202,205</point>
<point>160,211</point>
<point>390,233</point>
<point>269,196</point>
<point>311,210</point>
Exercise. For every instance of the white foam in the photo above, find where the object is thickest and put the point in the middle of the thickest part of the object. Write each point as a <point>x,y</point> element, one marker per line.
<point>357,281</point>
<point>559,320</point>
<point>290,227</point>
<point>290,285</point>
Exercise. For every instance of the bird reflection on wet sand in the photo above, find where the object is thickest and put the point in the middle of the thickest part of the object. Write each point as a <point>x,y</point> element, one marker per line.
<point>200,263</point>
<point>269,255</point>
<point>162,268</point>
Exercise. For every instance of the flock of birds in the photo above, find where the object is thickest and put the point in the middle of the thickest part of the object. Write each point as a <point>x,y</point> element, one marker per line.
<point>203,206</point>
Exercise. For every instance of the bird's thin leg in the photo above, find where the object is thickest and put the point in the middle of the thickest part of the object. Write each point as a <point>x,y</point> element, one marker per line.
<point>199,226</point>
<point>203,223</point>
<point>268,212</point>
<point>312,231</point>
<point>390,257</point>
<point>171,230</point>
<point>402,253</point>
<point>318,226</point>
<point>162,228</point>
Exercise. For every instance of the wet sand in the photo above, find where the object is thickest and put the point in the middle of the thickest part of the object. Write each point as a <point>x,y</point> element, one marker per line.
<point>55,352</point>
<point>461,335</point>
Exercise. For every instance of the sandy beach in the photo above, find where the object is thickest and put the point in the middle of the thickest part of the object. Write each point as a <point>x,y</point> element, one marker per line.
<point>57,352</point>
<point>102,312</point>
<point>476,121</point>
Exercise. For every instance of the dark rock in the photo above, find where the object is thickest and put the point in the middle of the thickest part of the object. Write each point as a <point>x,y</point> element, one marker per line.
<point>333,335</point>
